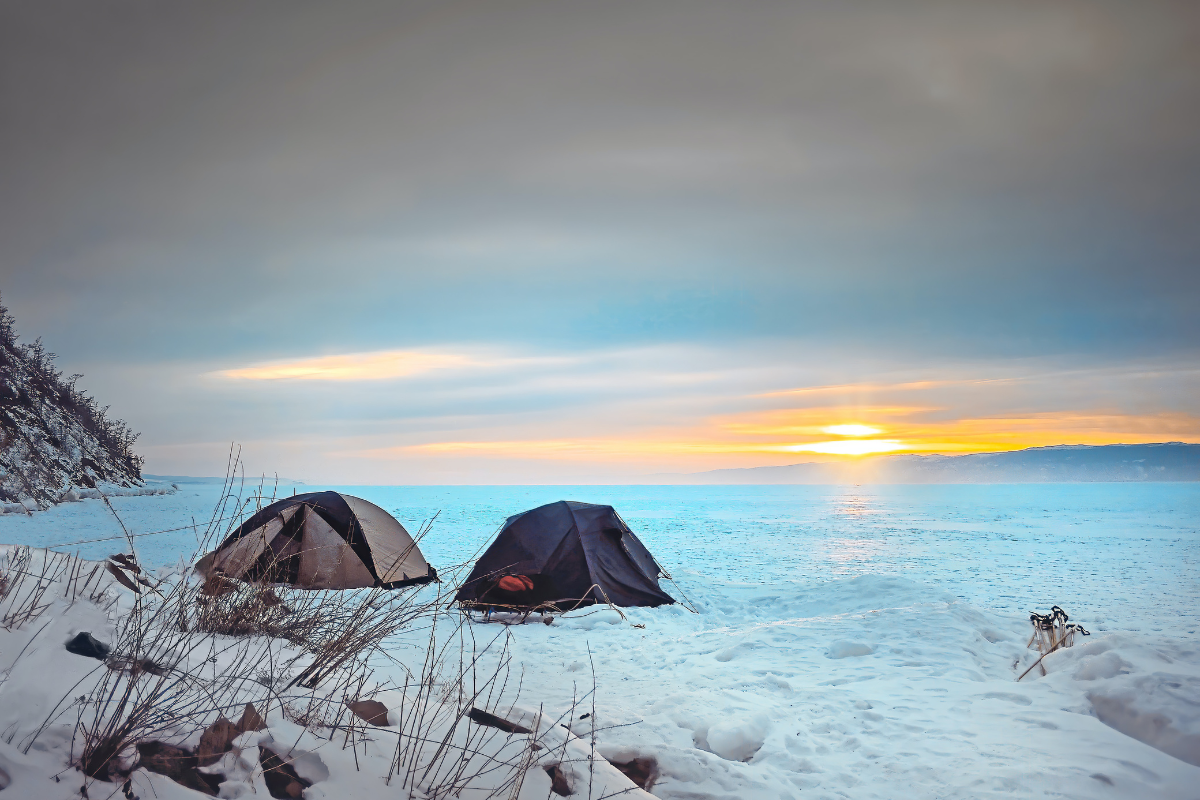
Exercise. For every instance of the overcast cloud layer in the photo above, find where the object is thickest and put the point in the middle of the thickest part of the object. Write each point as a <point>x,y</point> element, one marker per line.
<point>621,223</point>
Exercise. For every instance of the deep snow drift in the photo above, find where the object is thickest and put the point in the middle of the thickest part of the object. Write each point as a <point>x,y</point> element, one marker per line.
<point>851,641</point>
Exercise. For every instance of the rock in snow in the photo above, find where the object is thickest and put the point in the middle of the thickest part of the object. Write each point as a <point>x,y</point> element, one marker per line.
<point>84,644</point>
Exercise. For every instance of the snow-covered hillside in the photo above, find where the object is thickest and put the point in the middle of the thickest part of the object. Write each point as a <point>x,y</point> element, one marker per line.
<point>54,439</point>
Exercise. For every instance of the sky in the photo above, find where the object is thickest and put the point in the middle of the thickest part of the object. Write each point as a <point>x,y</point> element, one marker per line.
<point>572,242</point>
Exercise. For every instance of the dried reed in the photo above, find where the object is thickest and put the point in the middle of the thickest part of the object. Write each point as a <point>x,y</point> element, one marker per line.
<point>184,658</point>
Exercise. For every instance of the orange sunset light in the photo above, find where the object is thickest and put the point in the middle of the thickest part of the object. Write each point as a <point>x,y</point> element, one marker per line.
<point>759,438</point>
<point>852,430</point>
<point>849,447</point>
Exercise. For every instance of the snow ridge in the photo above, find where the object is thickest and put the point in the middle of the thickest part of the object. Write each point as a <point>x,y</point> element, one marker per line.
<point>53,437</point>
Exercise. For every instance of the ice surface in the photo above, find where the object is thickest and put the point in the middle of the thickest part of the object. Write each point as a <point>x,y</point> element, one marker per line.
<point>851,642</point>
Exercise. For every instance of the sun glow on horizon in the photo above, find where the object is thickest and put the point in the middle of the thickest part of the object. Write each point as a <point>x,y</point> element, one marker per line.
<point>852,430</point>
<point>609,448</point>
<point>849,447</point>
<point>499,441</point>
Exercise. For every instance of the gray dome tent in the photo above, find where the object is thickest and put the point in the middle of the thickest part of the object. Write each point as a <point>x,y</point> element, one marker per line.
<point>321,540</point>
<point>574,554</point>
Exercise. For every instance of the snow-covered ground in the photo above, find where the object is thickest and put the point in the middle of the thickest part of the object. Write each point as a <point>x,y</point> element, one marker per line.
<point>851,641</point>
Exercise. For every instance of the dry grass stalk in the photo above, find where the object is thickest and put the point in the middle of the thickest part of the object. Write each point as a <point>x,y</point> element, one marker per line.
<point>27,575</point>
<point>163,681</point>
<point>185,658</point>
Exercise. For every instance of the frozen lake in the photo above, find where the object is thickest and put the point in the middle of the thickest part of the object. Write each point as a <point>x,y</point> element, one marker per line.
<point>852,641</point>
<point>1130,552</point>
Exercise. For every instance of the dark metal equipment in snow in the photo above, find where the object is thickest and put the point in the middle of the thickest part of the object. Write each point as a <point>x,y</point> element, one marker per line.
<point>321,540</point>
<point>575,554</point>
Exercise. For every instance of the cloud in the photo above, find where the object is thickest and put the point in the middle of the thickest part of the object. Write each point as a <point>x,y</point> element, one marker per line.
<point>857,388</point>
<point>615,414</point>
<point>380,366</point>
<point>810,421</point>
<point>609,448</point>
<point>998,179</point>
<point>686,234</point>
<point>851,447</point>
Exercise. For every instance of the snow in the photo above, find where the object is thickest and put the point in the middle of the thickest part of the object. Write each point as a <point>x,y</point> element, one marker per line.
<point>855,642</point>
<point>845,649</point>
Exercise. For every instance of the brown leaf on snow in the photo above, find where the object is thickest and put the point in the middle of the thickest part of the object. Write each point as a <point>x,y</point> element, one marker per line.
<point>558,780</point>
<point>251,720</point>
<point>126,561</point>
<point>216,740</point>
<point>177,764</point>
<point>280,776</point>
<point>372,711</point>
<point>122,578</point>
<point>642,771</point>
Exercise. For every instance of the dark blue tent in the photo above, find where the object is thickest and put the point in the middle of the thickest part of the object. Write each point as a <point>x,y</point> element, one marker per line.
<point>575,554</point>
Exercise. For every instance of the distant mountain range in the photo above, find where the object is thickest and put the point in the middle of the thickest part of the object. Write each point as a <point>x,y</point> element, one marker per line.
<point>1168,461</point>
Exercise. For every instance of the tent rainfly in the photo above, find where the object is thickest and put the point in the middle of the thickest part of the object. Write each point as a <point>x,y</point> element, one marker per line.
<point>321,540</point>
<point>568,554</point>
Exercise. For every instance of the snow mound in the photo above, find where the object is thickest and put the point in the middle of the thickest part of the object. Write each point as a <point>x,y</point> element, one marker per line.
<point>1148,691</point>
<point>738,739</point>
<point>845,649</point>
